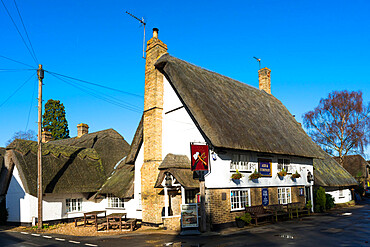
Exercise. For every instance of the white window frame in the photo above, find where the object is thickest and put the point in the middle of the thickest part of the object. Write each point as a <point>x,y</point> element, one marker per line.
<point>286,165</point>
<point>115,202</point>
<point>73,205</point>
<point>239,199</point>
<point>284,195</point>
<point>241,162</point>
<point>341,194</point>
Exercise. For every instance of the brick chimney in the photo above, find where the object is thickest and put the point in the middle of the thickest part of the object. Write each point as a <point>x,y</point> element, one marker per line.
<point>46,136</point>
<point>152,202</point>
<point>82,129</point>
<point>265,80</point>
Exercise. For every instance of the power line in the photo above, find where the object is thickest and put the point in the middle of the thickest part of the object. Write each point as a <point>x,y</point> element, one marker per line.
<point>29,111</point>
<point>98,85</point>
<point>24,83</point>
<point>15,25</point>
<point>10,70</point>
<point>108,100</point>
<point>25,30</point>
<point>16,61</point>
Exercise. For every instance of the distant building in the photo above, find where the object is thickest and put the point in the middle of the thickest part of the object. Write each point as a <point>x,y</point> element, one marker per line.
<point>358,167</point>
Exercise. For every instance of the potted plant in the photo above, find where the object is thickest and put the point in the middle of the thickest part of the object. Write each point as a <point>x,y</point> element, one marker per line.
<point>242,220</point>
<point>237,175</point>
<point>296,175</point>
<point>282,173</point>
<point>255,175</point>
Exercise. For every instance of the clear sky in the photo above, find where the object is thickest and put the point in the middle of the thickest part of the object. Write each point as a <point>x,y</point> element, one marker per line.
<point>312,48</point>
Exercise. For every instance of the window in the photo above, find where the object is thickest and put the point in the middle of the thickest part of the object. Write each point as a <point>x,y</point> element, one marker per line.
<point>191,196</point>
<point>239,199</point>
<point>241,162</point>
<point>284,195</point>
<point>285,164</point>
<point>115,202</point>
<point>74,205</point>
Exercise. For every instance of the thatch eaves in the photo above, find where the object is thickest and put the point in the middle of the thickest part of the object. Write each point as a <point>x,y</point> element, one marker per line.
<point>136,144</point>
<point>179,167</point>
<point>65,169</point>
<point>231,114</point>
<point>329,173</point>
<point>356,165</point>
<point>109,144</point>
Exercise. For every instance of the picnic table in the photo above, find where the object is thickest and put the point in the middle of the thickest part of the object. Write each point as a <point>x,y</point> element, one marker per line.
<point>94,216</point>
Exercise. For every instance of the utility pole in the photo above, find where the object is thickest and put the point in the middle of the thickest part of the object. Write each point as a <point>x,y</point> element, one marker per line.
<point>40,75</point>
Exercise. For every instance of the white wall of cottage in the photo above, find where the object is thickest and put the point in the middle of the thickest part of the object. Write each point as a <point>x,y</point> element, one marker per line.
<point>22,207</point>
<point>346,195</point>
<point>179,130</point>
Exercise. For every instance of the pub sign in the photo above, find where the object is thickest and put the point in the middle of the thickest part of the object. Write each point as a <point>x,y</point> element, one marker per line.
<point>199,157</point>
<point>264,167</point>
<point>265,196</point>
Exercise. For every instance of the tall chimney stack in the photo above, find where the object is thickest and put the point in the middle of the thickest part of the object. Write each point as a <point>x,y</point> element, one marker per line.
<point>264,78</point>
<point>46,136</point>
<point>82,129</point>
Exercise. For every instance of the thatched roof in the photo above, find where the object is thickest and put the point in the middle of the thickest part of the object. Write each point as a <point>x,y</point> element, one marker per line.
<point>109,144</point>
<point>179,167</point>
<point>329,173</point>
<point>231,114</point>
<point>136,144</point>
<point>65,169</point>
<point>121,183</point>
<point>356,165</point>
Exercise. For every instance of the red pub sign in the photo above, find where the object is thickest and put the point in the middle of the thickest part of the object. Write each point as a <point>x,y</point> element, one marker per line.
<point>199,157</point>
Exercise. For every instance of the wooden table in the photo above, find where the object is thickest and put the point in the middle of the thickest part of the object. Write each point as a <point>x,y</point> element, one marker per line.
<point>93,215</point>
<point>115,219</point>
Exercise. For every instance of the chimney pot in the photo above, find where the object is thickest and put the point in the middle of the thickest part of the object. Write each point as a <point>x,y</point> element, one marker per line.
<point>46,136</point>
<point>155,32</point>
<point>82,129</point>
<point>264,77</point>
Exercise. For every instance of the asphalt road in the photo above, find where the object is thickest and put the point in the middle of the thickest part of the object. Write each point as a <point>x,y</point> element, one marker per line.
<point>348,227</point>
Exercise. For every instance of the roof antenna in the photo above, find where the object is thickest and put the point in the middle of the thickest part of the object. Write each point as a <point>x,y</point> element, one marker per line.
<point>142,23</point>
<point>259,61</point>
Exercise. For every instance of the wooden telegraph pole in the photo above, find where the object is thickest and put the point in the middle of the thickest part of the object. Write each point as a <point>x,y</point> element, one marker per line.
<point>40,75</point>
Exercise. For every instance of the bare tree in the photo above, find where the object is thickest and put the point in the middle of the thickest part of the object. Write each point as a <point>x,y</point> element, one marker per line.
<point>23,135</point>
<point>340,124</point>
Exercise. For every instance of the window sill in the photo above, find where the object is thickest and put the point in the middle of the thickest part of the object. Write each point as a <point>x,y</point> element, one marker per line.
<point>237,209</point>
<point>232,171</point>
<point>115,208</point>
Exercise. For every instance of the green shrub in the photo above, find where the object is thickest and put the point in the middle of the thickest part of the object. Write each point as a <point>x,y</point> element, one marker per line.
<point>329,202</point>
<point>245,217</point>
<point>320,200</point>
<point>3,212</point>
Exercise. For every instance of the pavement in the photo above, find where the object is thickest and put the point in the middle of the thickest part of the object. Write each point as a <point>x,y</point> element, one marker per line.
<point>339,227</point>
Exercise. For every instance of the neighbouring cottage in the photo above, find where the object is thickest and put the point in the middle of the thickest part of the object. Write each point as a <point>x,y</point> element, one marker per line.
<point>358,167</point>
<point>336,181</point>
<point>78,174</point>
<point>245,128</point>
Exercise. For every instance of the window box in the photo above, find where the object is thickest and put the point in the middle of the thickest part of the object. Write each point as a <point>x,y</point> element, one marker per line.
<point>237,175</point>
<point>296,175</point>
<point>255,175</point>
<point>282,173</point>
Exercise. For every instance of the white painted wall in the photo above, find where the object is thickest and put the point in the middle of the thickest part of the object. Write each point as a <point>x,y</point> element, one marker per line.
<point>179,131</point>
<point>346,197</point>
<point>135,205</point>
<point>22,207</point>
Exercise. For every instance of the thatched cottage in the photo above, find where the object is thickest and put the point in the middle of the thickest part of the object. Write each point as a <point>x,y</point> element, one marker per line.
<point>77,177</point>
<point>336,181</point>
<point>358,167</point>
<point>246,130</point>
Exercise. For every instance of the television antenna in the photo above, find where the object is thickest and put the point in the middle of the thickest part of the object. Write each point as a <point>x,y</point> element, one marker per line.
<point>259,61</point>
<point>143,24</point>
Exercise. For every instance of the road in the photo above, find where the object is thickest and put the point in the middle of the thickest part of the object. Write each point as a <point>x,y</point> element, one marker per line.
<point>349,227</point>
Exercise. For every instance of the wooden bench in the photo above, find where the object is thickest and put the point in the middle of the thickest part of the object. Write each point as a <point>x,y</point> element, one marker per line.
<point>78,219</point>
<point>258,212</point>
<point>296,208</point>
<point>277,210</point>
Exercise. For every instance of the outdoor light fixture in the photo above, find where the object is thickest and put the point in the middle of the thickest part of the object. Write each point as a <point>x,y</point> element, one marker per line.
<point>309,177</point>
<point>214,157</point>
<point>168,180</point>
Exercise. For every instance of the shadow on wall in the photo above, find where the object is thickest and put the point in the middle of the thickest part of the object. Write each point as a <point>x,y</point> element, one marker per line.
<point>13,200</point>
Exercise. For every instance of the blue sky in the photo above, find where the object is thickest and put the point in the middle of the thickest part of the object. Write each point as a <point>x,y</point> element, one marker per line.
<point>312,48</point>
